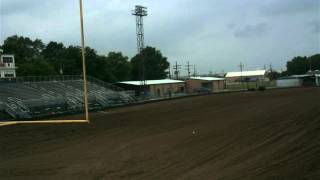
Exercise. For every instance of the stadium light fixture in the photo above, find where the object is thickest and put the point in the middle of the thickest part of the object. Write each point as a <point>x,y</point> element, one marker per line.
<point>85,86</point>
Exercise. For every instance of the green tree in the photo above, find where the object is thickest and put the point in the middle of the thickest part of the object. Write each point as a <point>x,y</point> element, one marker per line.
<point>55,54</point>
<point>274,75</point>
<point>301,65</point>
<point>315,62</point>
<point>119,66</point>
<point>155,65</point>
<point>36,67</point>
<point>72,64</point>
<point>35,58</point>
<point>23,48</point>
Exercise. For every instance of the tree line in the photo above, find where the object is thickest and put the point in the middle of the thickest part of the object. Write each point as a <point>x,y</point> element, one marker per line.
<point>35,58</point>
<point>297,66</point>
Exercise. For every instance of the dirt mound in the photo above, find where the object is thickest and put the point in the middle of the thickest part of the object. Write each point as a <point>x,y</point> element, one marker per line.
<point>251,135</point>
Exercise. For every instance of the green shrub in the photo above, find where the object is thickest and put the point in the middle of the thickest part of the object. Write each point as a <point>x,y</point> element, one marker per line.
<point>262,88</point>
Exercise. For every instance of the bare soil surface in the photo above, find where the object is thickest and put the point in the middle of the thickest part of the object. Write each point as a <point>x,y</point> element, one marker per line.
<point>249,135</point>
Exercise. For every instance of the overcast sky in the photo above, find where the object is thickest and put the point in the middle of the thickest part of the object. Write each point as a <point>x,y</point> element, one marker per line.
<point>215,35</point>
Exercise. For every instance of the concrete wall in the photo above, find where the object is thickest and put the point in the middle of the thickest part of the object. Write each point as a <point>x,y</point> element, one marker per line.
<point>5,72</point>
<point>218,86</point>
<point>163,90</point>
<point>289,82</point>
<point>238,79</point>
<point>193,85</point>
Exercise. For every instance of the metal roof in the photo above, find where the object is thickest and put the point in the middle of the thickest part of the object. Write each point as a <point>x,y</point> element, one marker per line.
<point>296,76</point>
<point>246,73</point>
<point>301,76</point>
<point>207,78</point>
<point>152,82</point>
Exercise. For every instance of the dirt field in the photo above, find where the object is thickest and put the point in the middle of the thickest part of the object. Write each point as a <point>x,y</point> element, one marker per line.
<point>250,135</point>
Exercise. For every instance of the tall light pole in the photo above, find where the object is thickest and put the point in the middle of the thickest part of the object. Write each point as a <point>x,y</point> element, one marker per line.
<point>140,12</point>
<point>84,70</point>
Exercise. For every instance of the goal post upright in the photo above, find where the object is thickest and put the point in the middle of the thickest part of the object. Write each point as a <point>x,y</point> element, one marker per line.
<point>84,70</point>
<point>85,87</point>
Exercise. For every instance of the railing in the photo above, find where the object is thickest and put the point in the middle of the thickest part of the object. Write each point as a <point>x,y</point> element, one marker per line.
<point>105,84</point>
<point>26,79</point>
<point>48,78</point>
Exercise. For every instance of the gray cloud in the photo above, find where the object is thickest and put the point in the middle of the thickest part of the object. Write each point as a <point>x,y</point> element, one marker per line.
<point>315,26</point>
<point>215,35</point>
<point>276,7</point>
<point>256,30</point>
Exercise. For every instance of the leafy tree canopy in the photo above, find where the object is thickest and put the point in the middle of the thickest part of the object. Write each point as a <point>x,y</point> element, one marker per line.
<point>23,48</point>
<point>35,58</point>
<point>301,65</point>
<point>155,65</point>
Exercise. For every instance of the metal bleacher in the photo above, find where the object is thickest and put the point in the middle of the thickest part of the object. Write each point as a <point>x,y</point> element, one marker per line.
<point>36,97</point>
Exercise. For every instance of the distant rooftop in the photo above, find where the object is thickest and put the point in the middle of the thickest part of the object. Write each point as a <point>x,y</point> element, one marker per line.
<point>207,78</point>
<point>299,76</point>
<point>153,82</point>
<point>246,73</point>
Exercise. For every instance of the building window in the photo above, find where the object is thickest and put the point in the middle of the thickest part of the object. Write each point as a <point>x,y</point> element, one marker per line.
<point>158,92</point>
<point>206,85</point>
<point>7,59</point>
<point>182,89</point>
<point>8,75</point>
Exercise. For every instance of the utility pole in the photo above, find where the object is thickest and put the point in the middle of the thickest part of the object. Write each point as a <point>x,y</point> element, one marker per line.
<point>241,69</point>
<point>310,65</point>
<point>176,70</point>
<point>188,66</point>
<point>194,70</point>
<point>169,71</point>
<point>270,68</point>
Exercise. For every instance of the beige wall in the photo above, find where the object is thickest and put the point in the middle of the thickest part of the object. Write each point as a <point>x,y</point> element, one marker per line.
<point>164,89</point>
<point>218,86</point>
<point>194,84</point>
<point>235,79</point>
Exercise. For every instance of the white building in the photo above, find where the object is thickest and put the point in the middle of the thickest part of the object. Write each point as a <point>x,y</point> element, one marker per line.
<point>159,88</point>
<point>317,79</point>
<point>7,66</point>
<point>258,75</point>
<point>205,84</point>
<point>299,80</point>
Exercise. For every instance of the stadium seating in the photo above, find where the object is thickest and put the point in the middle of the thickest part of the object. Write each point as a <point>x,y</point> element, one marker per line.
<point>23,99</point>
